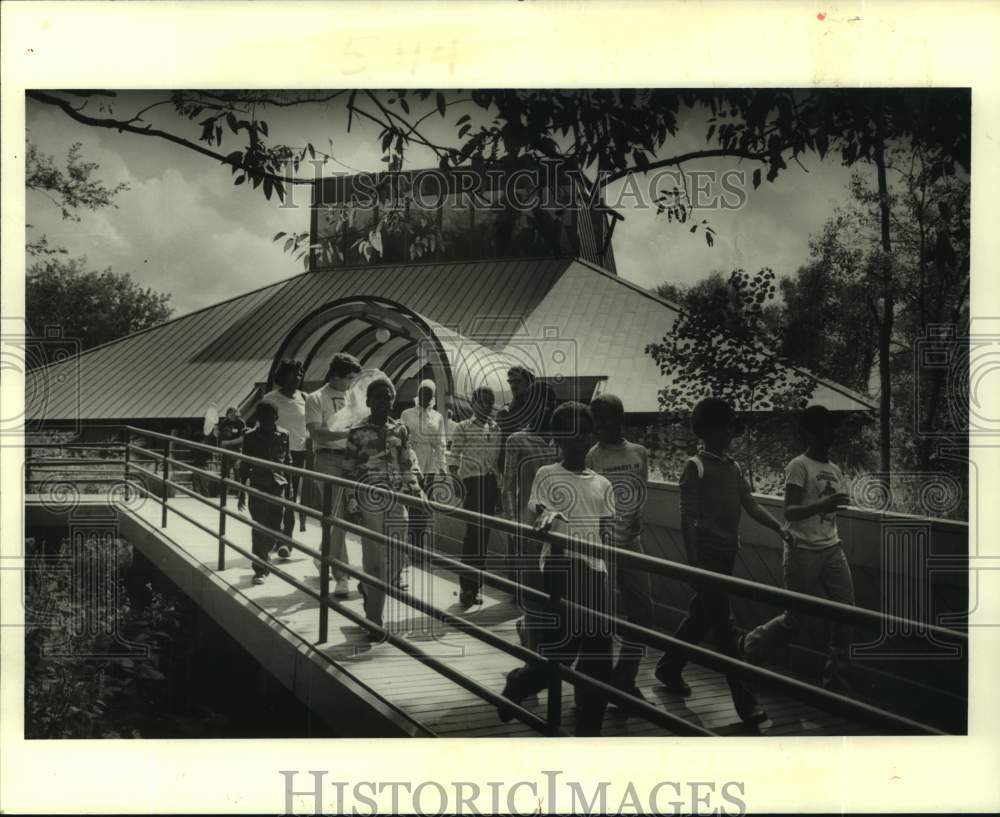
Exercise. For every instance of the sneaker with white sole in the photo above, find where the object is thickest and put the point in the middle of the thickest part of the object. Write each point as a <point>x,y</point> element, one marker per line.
<point>469,598</point>
<point>284,551</point>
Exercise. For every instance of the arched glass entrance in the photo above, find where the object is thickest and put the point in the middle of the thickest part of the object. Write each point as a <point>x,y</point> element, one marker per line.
<point>406,346</point>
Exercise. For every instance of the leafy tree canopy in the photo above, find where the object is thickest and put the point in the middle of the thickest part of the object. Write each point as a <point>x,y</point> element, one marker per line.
<point>608,133</point>
<point>602,135</point>
<point>91,307</point>
<point>722,345</point>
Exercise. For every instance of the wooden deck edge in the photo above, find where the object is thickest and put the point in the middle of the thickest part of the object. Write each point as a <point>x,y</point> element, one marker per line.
<point>326,687</point>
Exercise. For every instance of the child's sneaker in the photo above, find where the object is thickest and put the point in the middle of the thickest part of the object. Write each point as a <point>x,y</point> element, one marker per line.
<point>469,598</point>
<point>752,715</point>
<point>258,580</point>
<point>505,712</point>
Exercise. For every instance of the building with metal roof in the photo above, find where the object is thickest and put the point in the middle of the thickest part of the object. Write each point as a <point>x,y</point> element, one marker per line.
<point>449,311</point>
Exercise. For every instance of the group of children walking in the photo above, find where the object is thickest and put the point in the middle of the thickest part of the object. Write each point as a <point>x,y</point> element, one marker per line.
<point>566,469</point>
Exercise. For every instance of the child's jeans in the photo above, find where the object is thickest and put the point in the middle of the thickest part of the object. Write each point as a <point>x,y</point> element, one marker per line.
<point>421,518</point>
<point>480,497</point>
<point>267,514</point>
<point>524,562</point>
<point>635,606</point>
<point>710,611</point>
<point>332,463</point>
<point>816,572</point>
<point>299,461</point>
<point>576,635</point>
<point>378,559</point>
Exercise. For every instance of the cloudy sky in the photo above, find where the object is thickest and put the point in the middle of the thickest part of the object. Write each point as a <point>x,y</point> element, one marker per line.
<point>183,228</point>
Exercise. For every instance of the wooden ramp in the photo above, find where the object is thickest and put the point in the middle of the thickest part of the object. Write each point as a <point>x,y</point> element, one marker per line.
<point>365,689</point>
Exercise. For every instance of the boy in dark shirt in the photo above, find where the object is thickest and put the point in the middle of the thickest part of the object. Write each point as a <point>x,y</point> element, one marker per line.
<point>266,442</point>
<point>713,495</point>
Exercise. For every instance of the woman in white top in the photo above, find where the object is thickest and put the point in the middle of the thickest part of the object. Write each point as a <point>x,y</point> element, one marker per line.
<point>429,441</point>
<point>426,426</point>
<point>291,406</point>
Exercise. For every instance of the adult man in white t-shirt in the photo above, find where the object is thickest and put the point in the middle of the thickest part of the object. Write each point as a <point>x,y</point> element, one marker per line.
<point>291,406</point>
<point>329,446</point>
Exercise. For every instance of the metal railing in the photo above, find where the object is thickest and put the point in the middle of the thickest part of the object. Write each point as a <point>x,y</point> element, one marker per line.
<point>556,671</point>
<point>64,469</point>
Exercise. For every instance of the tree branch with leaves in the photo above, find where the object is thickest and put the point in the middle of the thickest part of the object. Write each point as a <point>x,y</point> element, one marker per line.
<point>721,345</point>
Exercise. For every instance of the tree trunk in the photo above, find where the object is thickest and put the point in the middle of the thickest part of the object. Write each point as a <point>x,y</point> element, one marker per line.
<point>885,326</point>
<point>926,447</point>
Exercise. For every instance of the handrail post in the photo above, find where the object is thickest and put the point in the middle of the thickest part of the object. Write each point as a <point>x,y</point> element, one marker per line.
<point>324,568</point>
<point>127,436</point>
<point>553,713</point>
<point>167,453</point>
<point>223,494</point>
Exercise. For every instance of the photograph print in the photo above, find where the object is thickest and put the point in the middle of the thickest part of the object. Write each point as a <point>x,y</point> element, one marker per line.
<point>469,413</point>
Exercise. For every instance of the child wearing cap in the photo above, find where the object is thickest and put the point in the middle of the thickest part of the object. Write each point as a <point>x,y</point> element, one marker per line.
<point>814,561</point>
<point>714,494</point>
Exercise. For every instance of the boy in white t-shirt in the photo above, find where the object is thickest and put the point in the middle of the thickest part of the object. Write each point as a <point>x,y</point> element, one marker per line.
<point>814,562</point>
<point>571,499</point>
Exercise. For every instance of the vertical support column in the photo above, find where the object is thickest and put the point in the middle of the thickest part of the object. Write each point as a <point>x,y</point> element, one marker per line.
<point>167,453</point>
<point>324,568</point>
<point>223,495</point>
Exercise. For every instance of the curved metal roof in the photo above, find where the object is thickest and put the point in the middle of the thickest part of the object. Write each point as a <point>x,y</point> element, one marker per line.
<point>219,353</point>
<point>564,318</point>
